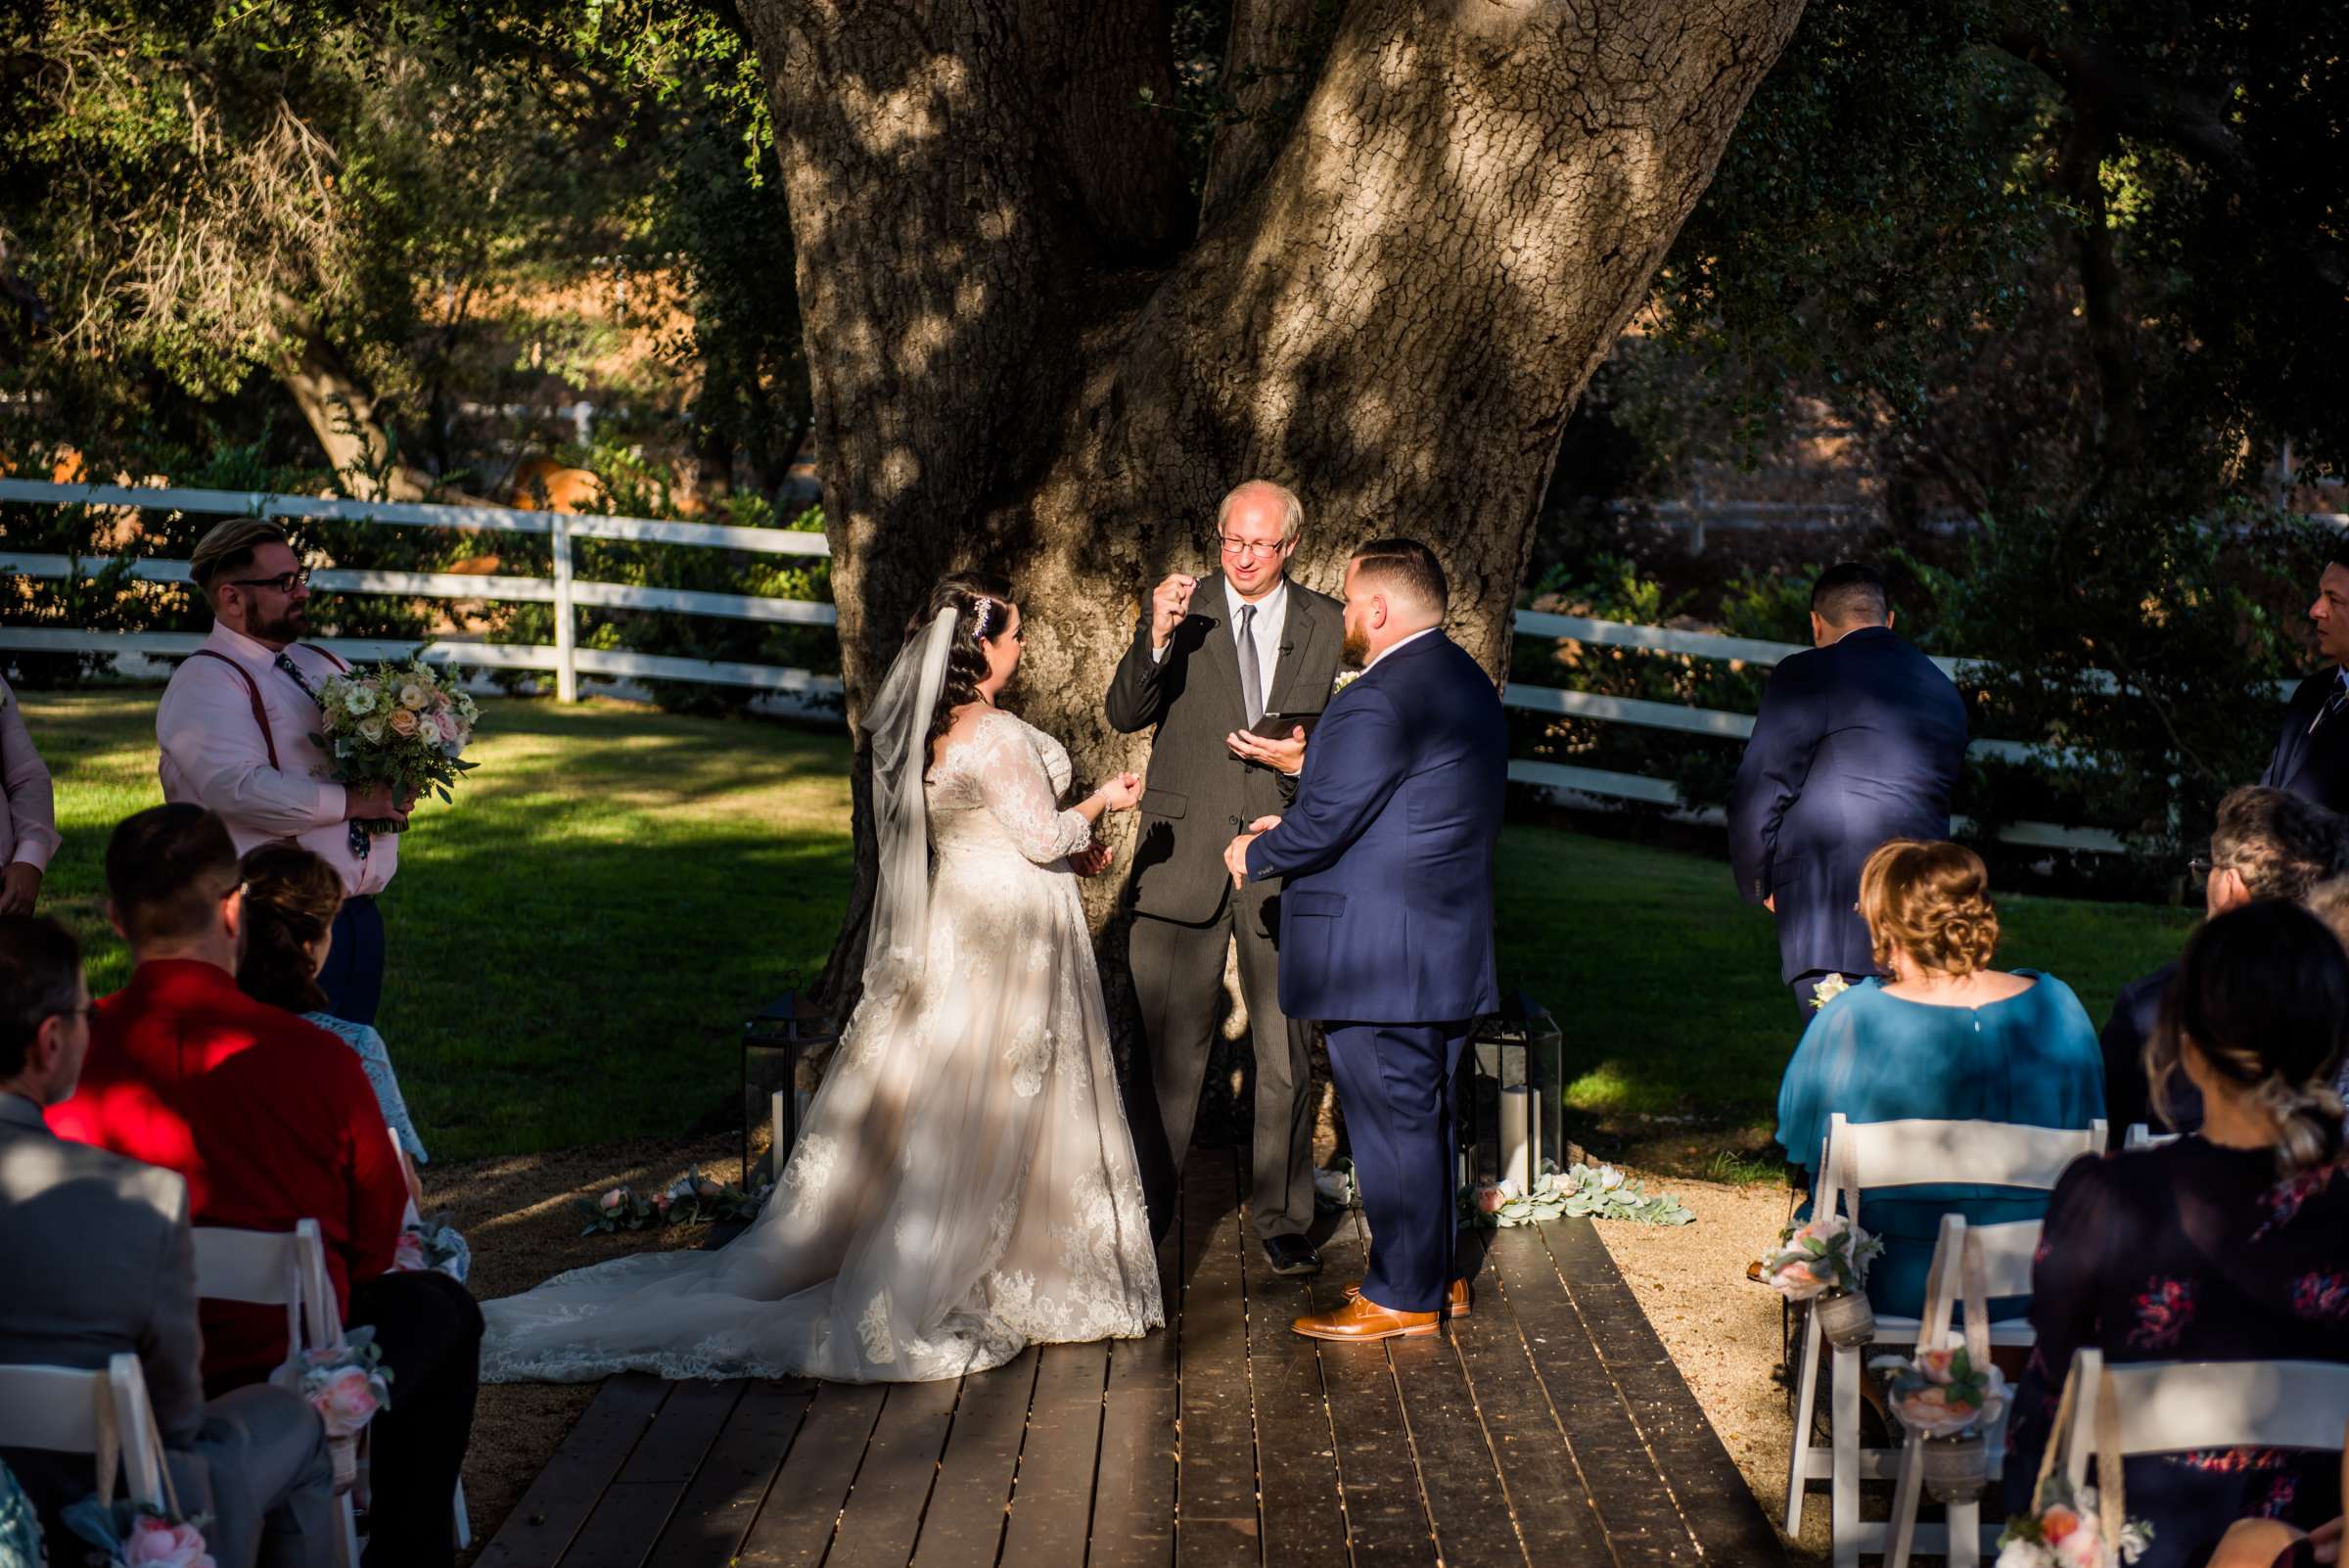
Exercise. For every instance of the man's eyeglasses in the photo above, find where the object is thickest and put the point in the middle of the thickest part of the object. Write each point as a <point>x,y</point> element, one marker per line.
<point>283,583</point>
<point>2200,867</point>
<point>1263,552</point>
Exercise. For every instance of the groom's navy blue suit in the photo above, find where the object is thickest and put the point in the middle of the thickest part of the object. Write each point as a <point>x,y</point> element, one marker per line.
<point>1386,931</point>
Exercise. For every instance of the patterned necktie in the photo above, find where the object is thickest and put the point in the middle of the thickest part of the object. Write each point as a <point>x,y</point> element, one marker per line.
<point>357,838</point>
<point>1252,679</point>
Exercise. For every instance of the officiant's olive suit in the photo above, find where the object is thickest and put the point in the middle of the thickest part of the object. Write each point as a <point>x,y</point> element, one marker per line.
<point>1198,798</point>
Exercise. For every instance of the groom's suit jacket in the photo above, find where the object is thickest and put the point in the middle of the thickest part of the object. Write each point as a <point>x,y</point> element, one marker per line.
<point>2312,754</point>
<point>1387,914</point>
<point>1199,796</point>
<point>1857,743</point>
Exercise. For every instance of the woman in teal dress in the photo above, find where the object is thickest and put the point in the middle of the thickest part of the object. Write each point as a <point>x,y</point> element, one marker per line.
<point>1944,1036</point>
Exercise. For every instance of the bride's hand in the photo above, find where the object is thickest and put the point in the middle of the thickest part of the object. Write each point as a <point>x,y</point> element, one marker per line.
<point>1123,793</point>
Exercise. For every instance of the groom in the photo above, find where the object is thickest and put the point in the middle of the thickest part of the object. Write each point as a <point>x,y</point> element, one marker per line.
<point>1386,920</point>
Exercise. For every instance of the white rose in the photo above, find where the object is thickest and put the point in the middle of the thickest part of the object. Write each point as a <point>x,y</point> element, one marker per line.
<point>412,697</point>
<point>372,729</point>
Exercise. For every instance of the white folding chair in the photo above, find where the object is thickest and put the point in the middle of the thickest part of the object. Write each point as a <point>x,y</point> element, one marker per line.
<point>280,1268</point>
<point>57,1407</point>
<point>2142,1137</point>
<point>1872,1156</point>
<point>2174,1407</point>
<point>2003,1255</point>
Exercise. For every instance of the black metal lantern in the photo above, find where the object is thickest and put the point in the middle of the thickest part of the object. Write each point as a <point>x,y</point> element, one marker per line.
<point>1510,1095</point>
<point>772,1046</point>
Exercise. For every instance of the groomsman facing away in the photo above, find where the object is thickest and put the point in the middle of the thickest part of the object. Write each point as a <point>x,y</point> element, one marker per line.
<point>28,812</point>
<point>239,724</point>
<point>102,1261</point>
<point>1386,925</point>
<point>1860,740</point>
<point>2312,754</point>
<point>1204,666</point>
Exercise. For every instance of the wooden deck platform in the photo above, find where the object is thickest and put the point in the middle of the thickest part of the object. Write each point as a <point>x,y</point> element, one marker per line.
<point>1548,1427</point>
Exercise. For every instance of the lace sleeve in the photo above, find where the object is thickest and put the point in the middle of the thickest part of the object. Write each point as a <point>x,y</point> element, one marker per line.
<point>1018,794</point>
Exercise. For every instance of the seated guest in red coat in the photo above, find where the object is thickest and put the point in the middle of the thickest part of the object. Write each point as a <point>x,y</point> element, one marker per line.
<point>271,1120</point>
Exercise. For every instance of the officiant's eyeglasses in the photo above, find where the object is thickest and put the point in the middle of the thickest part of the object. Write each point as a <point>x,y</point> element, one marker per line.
<point>283,583</point>
<point>1263,552</point>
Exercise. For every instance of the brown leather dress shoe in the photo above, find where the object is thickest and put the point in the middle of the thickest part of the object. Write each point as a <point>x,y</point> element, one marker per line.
<point>1362,1318</point>
<point>1459,1305</point>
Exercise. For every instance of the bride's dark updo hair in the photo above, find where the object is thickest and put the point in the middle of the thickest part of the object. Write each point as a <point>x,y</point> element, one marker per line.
<point>983,602</point>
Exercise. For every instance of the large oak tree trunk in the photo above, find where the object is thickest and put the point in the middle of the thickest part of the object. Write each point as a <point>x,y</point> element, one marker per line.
<point>1021,359</point>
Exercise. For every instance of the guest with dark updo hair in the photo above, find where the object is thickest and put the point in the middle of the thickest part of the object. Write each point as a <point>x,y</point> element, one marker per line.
<point>2231,1243</point>
<point>1939,1035</point>
<point>290,898</point>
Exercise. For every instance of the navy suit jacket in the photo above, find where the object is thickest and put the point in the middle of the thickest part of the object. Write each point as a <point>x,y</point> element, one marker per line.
<point>2314,766</point>
<point>1858,742</point>
<point>1387,914</point>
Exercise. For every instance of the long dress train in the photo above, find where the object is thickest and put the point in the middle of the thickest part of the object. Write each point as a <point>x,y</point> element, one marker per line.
<point>965,1182</point>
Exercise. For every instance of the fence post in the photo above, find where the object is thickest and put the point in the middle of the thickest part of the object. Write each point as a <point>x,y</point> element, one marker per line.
<point>567,673</point>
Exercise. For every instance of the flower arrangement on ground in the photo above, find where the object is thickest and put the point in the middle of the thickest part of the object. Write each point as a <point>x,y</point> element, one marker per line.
<point>1581,1191</point>
<point>134,1534</point>
<point>2065,1528</point>
<point>691,1199</point>
<point>406,726</point>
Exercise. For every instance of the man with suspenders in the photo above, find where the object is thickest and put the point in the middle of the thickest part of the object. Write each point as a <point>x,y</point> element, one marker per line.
<point>239,726</point>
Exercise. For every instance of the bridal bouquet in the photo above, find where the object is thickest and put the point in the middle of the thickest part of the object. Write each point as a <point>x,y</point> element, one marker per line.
<point>405,725</point>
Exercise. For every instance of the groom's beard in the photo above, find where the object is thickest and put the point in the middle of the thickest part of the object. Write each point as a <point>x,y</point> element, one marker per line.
<point>1354,651</point>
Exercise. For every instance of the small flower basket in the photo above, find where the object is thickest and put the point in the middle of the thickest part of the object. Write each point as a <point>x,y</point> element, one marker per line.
<point>1824,1262</point>
<point>1956,1400</point>
<point>346,1384</point>
<point>2088,1527</point>
<point>133,1535</point>
<point>434,1244</point>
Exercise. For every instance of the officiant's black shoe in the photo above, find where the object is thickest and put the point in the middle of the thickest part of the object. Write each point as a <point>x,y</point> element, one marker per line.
<point>1291,1255</point>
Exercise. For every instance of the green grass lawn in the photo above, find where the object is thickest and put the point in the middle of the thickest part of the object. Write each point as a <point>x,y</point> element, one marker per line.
<point>575,942</point>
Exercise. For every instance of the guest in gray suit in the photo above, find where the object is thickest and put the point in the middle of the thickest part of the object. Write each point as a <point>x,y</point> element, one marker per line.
<point>101,1260</point>
<point>1204,666</point>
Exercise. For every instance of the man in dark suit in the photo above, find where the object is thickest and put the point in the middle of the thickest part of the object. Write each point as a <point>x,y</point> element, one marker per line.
<point>1386,925</point>
<point>2312,754</point>
<point>1204,666</point>
<point>1860,740</point>
<point>2267,845</point>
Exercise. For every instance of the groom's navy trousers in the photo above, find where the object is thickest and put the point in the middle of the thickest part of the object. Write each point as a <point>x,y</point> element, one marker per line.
<point>1386,931</point>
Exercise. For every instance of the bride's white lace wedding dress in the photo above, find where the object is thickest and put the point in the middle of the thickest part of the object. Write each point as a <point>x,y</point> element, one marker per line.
<point>965,1182</point>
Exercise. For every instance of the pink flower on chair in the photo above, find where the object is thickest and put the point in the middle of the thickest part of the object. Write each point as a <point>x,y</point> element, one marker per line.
<point>160,1543</point>
<point>347,1401</point>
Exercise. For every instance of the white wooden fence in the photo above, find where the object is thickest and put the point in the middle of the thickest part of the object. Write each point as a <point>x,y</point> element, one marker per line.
<point>566,661</point>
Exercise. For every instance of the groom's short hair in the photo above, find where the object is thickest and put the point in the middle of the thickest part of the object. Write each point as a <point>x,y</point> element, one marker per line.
<point>1408,569</point>
<point>1850,593</point>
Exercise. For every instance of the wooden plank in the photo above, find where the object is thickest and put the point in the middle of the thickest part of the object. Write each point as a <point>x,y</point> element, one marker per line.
<point>1720,1508</point>
<point>967,1505</point>
<point>892,1486</point>
<point>1543,1483</point>
<point>1641,1522</point>
<point>1378,1482</point>
<point>1134,1492</point>
<point>550,1514</point>
<point>723,1496</point>
<point>636,1508</point>
<point>1296,1451</point>
<point>1216,1520</point>
<point>1052,1496</point>
<point>794,1529</point>
<point>1467,1501</point>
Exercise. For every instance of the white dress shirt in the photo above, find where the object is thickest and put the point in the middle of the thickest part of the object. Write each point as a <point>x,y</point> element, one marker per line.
<point>27,801</point>
<point>213,755</point>
<point>1272,621</point>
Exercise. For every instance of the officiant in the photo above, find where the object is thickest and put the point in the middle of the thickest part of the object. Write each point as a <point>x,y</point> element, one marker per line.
<point>1215,658</point>
<point>1861,739</point>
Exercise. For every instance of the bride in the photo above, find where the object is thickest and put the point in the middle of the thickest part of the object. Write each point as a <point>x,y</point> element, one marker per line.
<point>965,1183</point>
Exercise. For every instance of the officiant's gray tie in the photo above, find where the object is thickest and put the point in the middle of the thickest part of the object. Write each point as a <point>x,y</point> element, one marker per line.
<point>1252,679</point>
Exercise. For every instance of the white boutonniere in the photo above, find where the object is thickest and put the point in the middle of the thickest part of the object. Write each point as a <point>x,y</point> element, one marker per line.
<point>1828,989</point>
<point>1346,679</point>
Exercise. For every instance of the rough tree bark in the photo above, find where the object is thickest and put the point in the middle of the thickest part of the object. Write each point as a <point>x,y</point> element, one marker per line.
<point>1021,359</point>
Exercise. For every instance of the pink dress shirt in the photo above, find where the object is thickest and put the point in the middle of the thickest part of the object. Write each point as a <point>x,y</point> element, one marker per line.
<point>213,754</point>
<point>27,803</point>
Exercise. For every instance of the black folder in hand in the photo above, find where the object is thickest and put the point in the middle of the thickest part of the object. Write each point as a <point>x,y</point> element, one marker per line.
<point>1280,726</point>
